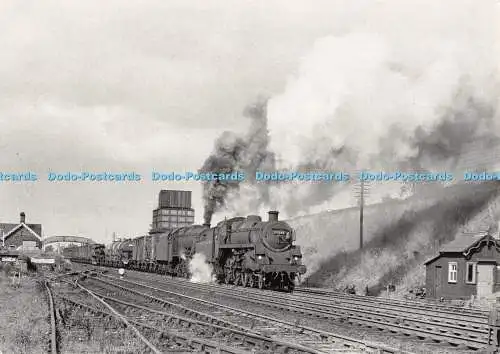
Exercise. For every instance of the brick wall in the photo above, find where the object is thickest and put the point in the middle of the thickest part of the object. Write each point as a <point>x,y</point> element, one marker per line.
<point>21,235</point>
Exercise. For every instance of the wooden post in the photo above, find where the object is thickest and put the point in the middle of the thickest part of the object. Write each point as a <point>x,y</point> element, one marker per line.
<point>361,205</point>
<point>363,189</point>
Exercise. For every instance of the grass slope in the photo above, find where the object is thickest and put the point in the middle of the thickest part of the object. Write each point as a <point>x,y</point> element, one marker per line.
<point>399,237</point>
<point>23,317</point>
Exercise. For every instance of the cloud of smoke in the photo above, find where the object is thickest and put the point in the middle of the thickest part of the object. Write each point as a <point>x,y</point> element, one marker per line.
<point>409,87</point>
<point>390,95</point>
<point>200,270</point>
<point>234,153</point>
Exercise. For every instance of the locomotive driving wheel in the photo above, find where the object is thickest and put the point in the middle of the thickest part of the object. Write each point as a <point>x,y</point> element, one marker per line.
<point>251,281</point>
<point>238,277</point>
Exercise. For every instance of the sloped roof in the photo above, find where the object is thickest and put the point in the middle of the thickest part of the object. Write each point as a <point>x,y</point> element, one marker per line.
<point>465,243</point>
<point>8,228</point>
<point>37,228</point>
<point>28,227</point>
<point>462,242</point>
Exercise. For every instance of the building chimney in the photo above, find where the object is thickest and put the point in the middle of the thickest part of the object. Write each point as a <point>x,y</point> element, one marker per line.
<point>273,215</point>
<point>22,217</point>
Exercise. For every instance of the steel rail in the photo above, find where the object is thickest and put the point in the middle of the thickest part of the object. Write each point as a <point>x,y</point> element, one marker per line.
<point>322,334</point>
<point>123,319</point>
<point>185,339</point>
<point>53,327</point>
<point>403,328</point>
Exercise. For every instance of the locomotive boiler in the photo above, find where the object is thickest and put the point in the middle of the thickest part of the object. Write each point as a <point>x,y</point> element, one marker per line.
<point>250,252</point>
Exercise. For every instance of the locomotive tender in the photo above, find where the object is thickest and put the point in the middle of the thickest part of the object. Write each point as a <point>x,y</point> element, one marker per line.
<point>120,251</point>
<point>242,251</point>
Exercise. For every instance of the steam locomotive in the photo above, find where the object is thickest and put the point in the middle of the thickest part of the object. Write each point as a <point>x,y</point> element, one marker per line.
<point>244,251</point>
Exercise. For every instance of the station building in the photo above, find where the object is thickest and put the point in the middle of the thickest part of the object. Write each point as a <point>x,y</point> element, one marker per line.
<point>21,236</point>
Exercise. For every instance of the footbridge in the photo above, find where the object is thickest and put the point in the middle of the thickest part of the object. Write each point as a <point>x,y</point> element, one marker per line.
<point>57,241</point>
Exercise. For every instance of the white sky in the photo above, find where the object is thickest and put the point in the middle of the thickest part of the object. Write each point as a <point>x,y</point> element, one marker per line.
<point>139,86</point>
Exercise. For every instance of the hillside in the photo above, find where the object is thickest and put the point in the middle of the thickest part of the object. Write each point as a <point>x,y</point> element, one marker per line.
<point>398,236</point>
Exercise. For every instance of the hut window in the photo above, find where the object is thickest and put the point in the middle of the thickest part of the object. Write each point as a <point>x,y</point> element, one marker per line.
<point>452,272</point>
<point>471,273</point>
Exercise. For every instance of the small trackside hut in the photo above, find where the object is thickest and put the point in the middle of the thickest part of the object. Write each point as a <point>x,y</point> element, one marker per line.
<point>467,266</point>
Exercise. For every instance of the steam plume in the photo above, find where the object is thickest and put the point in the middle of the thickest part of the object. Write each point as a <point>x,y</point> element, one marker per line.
<point>390,95</point>
<point>387,93</point>
<point>201,272</point>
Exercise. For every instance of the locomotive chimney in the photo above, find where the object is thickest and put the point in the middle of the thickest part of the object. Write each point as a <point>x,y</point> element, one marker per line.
<point>22,217</point>
<point>273,215</point>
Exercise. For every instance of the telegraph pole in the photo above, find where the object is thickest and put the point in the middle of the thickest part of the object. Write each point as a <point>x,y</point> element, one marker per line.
<point>362,189</point>
<point>361,206</point>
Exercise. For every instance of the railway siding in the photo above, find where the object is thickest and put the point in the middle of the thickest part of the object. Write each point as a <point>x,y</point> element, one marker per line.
<point>406,304</point>
<point>304,335</point>
<point>167,340</point>
<point>419,330</point>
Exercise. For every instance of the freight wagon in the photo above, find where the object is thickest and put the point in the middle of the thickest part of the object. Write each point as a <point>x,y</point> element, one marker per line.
<point>87,253</point>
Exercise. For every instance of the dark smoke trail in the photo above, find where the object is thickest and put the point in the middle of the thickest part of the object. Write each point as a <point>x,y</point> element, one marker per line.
<point>233,153</point>
<point>466,122</point>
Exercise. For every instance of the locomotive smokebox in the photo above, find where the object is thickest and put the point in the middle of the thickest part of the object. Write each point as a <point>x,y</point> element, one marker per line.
<point>273,215</point>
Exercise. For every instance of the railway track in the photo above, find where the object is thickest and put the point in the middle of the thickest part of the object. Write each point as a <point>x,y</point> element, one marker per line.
<point>468,321</point>
<point>71,323</point>
<point>299,338</point>
<point>162,340</point>
<point>409,304</point>
<point>466,336</point>
<point>53,327</point>
<point>105,316</point>
<point>233,334</point>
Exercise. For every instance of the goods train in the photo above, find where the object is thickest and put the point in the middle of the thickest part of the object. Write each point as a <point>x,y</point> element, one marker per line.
<point>243,251</point>
<point>90,253</point>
